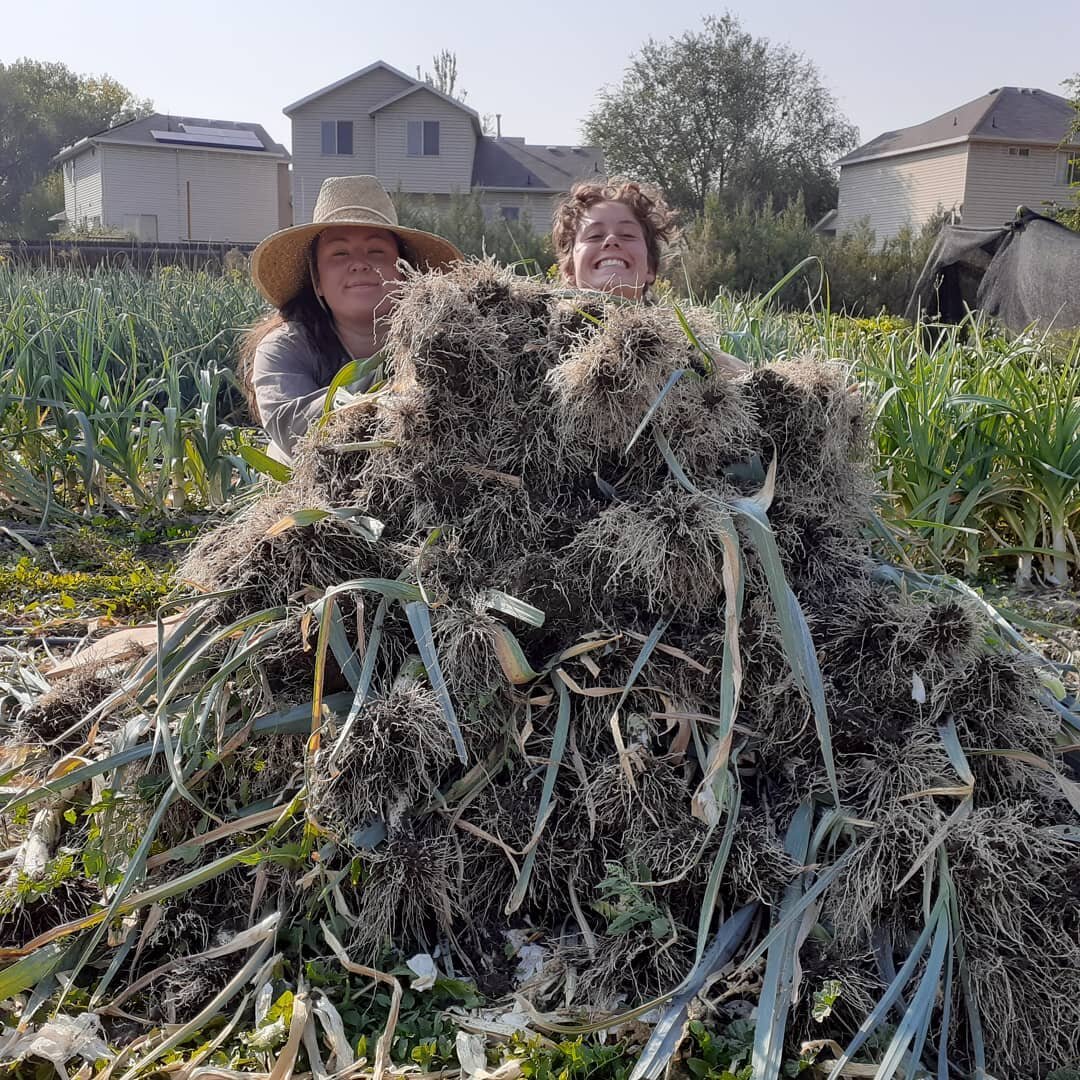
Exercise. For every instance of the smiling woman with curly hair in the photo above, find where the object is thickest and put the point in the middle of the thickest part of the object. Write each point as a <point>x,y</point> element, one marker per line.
<point>608,236</point>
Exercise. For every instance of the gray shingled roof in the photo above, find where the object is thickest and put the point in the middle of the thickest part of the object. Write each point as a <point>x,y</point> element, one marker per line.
<point>1009,114</point>
<point>514,163</point>
<point>138,132</point>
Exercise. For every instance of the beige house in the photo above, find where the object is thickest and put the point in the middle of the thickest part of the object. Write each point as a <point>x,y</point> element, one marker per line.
<point>419,141</point>
<point>172,178</point>
<point>981,160</point>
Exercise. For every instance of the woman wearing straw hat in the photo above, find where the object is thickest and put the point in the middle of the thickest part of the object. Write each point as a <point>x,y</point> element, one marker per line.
<point>333,283</point>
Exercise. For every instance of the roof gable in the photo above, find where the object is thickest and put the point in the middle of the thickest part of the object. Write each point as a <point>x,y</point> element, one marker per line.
<point>427,88</point>
<point>408,83</point>
<point>1009,113</point>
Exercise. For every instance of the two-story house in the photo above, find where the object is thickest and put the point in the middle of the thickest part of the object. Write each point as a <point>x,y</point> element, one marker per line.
<point>981,160</point>
<point>419,141</point>
<point>168,178</point>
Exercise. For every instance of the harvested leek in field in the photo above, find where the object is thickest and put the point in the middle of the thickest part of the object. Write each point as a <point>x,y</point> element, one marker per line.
<point>560,665</point>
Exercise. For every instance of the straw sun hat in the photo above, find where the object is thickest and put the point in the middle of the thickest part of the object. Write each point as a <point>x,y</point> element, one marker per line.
<point>280,264</point>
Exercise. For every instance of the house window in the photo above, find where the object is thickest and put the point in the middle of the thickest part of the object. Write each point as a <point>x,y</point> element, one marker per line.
<point>423,138</point>
<point>1019,151</point>
<point>337,137</point>
<point>1071,170</point>
<point>511,213</point>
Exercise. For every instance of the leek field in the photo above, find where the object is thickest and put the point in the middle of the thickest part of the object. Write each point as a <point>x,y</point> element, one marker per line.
<point>117,398</point>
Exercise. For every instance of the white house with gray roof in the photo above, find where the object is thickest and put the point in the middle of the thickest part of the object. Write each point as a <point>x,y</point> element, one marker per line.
<point>981,160</point>
<point>173,178</point>
<point>421,142</point>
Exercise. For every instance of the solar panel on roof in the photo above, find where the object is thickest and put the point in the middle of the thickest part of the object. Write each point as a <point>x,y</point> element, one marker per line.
<point>221,138</point>
<point>239,134</point>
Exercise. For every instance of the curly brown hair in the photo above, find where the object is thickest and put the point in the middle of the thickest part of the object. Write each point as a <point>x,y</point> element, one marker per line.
<point>647,202</point>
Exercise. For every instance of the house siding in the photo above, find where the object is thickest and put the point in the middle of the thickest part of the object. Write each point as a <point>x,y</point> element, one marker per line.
<point>82,190</point>
<point>232,196</point>
<point>350,102</point>
<point>905,190</point>
<point>535,208</point>
<point>998,183</point>
<point>448,171</point>
<point>143,181</point>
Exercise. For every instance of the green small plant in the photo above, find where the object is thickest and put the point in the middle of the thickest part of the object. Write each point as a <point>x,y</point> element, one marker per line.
<point>724,1056</point>
<point>825,999</point>
<point>627,907</point>
<point>572,1059</point>
<point>26,890</point>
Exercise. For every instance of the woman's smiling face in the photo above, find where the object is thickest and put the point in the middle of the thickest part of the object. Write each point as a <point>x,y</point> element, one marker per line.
<point>357,271</point>
<point>610,252</point>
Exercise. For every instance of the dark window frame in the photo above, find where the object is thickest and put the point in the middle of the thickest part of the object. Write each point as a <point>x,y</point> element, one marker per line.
<point>336,138</point>
<point>423,138</point>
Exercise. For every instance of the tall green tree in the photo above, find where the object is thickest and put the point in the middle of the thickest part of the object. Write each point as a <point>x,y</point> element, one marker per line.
<point>1070,215</point>
<point>718,111</point>
<point>44,107</point>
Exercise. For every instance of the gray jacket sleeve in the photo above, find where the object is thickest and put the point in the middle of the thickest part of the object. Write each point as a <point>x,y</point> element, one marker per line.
<point>290,385</point>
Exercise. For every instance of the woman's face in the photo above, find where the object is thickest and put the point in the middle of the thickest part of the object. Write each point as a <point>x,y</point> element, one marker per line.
<point>356,272</point>
<point>610,251</point>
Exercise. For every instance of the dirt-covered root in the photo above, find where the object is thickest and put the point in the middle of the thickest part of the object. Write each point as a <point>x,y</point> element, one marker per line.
<point>58,719</point>
<point>838,988</point>
<point>33,906</point>
<point>470,328</point>
<point>467,639</point>
<point>180,993</point>
<point>604,387</point>
<point>667,549</point>
<point>995,700</point>
<point>272,558</point>
<point>1018,899</point>
<point>409,889</point>
<point>880,636</point>
<point>397,752</point>
<point>328,461</point>
<point>809,417</point>
<point>893,793</point>
<point>817,430</point>
<point>642,963</point>
<point>647,802</point>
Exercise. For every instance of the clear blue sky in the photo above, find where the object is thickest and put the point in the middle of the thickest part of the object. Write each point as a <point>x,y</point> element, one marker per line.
<point>539,64</point>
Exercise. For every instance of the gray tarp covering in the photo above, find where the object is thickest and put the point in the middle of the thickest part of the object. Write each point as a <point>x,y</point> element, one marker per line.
<point>1026,272</point>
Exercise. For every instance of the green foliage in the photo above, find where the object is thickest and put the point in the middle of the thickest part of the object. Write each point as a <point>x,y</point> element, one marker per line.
<point>116,388</point>
<point>463,221</point>
<point>1070,215</point>
<point>37,205</point>
<point>24,889</point>
<point>627,907</point>
<point>747,248</point>
<point>44,107</point>
<point>721,1057</point>
<point>826,998</point>
<point>424,1034</point>
<point>39,596</point>
<point>571,1059</point>
<point>101,570</point>
<point>718,111</point>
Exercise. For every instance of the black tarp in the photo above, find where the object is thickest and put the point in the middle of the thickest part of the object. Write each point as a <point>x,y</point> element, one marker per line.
<point>1025,272</point>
